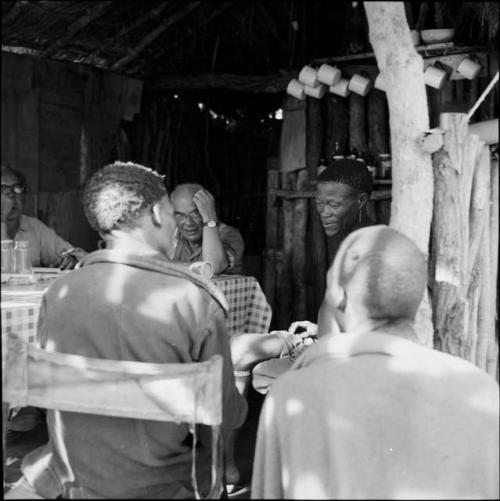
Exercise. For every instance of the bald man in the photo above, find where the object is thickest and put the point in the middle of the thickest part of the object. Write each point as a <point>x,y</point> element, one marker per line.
<point>200,235</point>
<point>366,413</point>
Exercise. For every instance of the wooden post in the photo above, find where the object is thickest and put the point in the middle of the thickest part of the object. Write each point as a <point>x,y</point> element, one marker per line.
<point>458,241</point>
<point>378,141</point>
<point>357,123</point>
<point>337,113</point>
<point>300,217</point>
<point>271,238</point>
<point>336,125</point>
<point>284,272</point>
<point>492,353</point>
<point>412,179</point>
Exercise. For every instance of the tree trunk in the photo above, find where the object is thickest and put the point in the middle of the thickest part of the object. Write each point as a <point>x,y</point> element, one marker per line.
<point>412,179</point>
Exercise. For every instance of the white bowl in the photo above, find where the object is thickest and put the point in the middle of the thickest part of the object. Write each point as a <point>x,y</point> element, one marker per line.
<point>438,35</point>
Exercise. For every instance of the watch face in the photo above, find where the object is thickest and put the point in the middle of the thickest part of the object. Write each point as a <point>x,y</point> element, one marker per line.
<point>211,224</point>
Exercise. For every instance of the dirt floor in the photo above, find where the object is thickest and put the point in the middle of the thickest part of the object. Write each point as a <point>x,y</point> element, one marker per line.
<point>245,446</point>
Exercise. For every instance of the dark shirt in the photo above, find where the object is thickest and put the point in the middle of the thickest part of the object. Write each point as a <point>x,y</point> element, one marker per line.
<point>334,242</point>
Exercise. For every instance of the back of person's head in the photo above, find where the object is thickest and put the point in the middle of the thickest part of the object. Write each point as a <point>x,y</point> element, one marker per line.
<point>118,193</point>
<point>353,173</point>
<point>185,190</point>
<point>381,272</point>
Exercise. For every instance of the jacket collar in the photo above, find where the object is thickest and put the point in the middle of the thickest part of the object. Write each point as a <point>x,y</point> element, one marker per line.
<point>159,264</point>
<point>346,345</point>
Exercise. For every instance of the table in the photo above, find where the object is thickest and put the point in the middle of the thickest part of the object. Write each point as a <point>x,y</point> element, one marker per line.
<point>249,310</point>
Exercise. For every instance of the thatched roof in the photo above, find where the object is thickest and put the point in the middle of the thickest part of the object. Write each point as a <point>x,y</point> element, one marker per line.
<point>148,39</point>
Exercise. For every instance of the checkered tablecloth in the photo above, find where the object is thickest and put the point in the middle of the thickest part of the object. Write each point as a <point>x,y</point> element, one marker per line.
<point>20,307</point>
<point>249,310</point>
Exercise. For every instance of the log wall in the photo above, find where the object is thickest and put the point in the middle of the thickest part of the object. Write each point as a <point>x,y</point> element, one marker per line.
<point>465,246</point>
<point>332,120</point>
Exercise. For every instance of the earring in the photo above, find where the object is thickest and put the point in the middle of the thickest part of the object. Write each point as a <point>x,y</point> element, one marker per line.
<point>359,215</point>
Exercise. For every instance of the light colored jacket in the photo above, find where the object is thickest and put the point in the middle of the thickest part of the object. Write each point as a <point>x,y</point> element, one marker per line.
<point>374,416</point>
<point>123,307</point>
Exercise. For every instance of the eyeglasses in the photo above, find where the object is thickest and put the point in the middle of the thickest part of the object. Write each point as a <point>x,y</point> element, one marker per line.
<point>13,189</point>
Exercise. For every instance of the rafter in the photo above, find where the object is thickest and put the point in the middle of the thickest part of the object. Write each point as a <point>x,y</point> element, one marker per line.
<point>113,40</point>
<point>215,14</point>
<point>169,21</point>
<point>75,27</point>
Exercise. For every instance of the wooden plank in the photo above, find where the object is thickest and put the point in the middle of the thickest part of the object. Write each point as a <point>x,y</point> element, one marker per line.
<point>357,123</point>
<point>284,268</point>
<point>300,218</point>
<point>271,239</point>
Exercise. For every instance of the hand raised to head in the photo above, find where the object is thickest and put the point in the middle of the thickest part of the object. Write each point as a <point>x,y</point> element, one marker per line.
<point>205,203</point>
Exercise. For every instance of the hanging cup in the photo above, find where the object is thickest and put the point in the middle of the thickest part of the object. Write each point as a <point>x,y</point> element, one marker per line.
<point>434,76</point>
<point>360,85</point>
<point>317,92</point>
<point>469,68</point>
<point>341,88</point>
<point>329,75</point>
<point>296,89</point>
<point>309,76</point>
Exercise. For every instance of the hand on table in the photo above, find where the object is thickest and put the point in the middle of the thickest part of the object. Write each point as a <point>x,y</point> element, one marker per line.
<point>303,329</point>
<point>70,260</point>
<point>205,203</point>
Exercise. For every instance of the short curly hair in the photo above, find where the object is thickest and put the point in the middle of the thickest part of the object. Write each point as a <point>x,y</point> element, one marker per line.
<point>353,173</point>
<point>116,194</point>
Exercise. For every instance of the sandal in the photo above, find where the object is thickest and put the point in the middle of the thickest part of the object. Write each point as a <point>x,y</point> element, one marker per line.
<point>236,489</point>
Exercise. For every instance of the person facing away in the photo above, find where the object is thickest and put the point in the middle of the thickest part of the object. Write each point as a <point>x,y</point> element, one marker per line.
<point>129,302</point>
<point>47,249</point>
<point>367,413</point>
<point>342,194</point>
<point>200,236</point>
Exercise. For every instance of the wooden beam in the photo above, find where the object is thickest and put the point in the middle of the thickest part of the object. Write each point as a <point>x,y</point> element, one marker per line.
<point>276,82</point>
<point>75,27</point>
<point>113,40</point>
<point>214,14</point>
<point>169,21</point>
<point>272,26</point>
<point>13,12</point>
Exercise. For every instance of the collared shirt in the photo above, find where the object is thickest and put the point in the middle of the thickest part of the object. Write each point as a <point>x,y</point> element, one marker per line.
<point>374,416</point>
<point>232,241</point>
<point>119,311</point>
<point>45,245</point>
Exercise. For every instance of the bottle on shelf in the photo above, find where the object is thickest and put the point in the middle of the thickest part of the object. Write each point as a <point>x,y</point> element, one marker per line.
<point>353,154</point>
<point>371,165</point>
<point>321,166</point>
<point>337,153</point>
<point>385,171</point>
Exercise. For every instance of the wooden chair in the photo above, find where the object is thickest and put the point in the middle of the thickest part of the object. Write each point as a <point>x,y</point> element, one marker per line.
<point>181,393</point>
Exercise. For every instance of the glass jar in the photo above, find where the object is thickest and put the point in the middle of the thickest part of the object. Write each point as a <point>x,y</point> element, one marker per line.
<point>385,166</point>
<point>22,257</point>
<point>7,256</point>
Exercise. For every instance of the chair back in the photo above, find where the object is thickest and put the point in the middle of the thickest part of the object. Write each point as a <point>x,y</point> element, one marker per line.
<point>176,392</point>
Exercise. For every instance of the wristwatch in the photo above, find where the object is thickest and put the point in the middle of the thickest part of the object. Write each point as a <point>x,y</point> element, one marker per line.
<point>210,224</point>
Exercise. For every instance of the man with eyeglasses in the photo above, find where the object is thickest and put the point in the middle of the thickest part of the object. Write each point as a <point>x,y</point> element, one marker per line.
<point>46,247</point>
<point>200,236</point>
